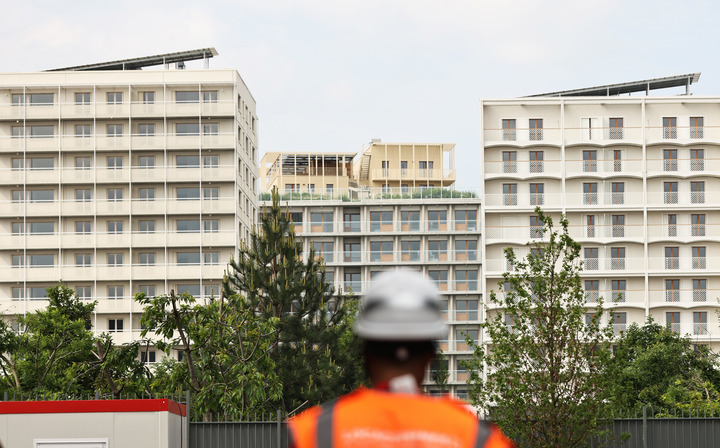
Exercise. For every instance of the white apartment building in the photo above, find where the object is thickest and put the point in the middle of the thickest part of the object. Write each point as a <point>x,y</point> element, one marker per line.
<point>635,176</point>
<point>386,209</point>
<point>116,180</point>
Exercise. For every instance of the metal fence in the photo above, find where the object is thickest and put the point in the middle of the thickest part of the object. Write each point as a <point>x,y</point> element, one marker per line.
<point>269,434</point>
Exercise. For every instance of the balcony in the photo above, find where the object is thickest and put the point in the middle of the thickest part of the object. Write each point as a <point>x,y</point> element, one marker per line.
<point>683,263</point>
<point>526,200</point>
<point>604,168</point>
<point>603,135</point>
<point>521,169</point>
<point>682,134</point>
<point>432,174</point>
<point>629,198</point>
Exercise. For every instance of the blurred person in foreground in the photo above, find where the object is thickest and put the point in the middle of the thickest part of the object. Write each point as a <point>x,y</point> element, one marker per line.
<point>399,321</point>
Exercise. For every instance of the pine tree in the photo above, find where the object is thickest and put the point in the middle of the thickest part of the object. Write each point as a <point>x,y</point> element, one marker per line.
<point>316,355</point>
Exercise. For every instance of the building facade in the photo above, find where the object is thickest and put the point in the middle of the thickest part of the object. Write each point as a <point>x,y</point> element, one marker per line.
<point>635,177</point>
<point>375,225</point>
<point>123,181</point>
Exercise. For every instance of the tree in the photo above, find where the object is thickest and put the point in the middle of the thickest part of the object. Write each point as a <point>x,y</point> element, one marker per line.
<point>545,380</point>
<point>439,372</point>
<point>225,350</point>
<point>314,350</point>
<point>659,368</point>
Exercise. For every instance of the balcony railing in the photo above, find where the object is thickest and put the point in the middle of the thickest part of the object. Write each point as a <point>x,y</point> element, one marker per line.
<point>683,263</point>
<point>368,193</point>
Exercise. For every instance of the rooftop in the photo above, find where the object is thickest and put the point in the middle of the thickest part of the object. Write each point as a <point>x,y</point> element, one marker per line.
<point>628,87</point>
<point>145,61</point>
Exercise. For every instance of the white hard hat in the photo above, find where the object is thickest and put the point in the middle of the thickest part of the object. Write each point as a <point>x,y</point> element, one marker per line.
<point>401,305</point>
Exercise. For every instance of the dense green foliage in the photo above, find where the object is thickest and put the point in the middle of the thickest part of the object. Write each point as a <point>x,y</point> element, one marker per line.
<point>316,355</point>
<point>546,383</point>
<point>659,368</point>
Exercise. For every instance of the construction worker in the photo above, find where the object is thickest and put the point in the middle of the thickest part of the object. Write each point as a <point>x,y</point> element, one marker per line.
<point>399,321</point>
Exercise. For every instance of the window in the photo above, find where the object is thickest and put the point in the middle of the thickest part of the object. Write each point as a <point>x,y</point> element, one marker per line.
<point>509,161</point>
<point>42,261</point>
<point>670,127</point>
<point>148,97</point>
<point>210,193</point>
<point>83,163</point>
<point>618,226</point>
<point>592,290</point>
<point>42,195</point>
<point>437,250</point>
<point>84,292</point>
<point>146,258</point>
<point>619,322</point>
<point>670,160</point>
<point>466,309</point>
<point>696,127</point>
<point>18,164</point>
<point>329,189</point>
<point>426,168</point>
<point>147,194</point>
<point>352,252</point>
<point>82,259</point>
<point>114,194</point>
<point>18,131</point>
<point>211,162</point>
<point>410,250</point>
<point>352,282</point>
<point>590,161</point>
<point>698,257</point>
<point>18,261</point>
<point>188,193</point>
<point>33,99</point>
<point>42,163</point>
<point>211,258</point>
<point>590,226</point>
<point>114,130</point>
<point>18,228</point>
<point>465,250</point>
<point>616,129</point>
<point>536,227</point>
<point>509,130</point>
<point>187,129</point>
<point>321,221</point>
<point>381,251</point>
<point>465,219</point>
<point>18,196</point>
<point>672,225</point>
<point>210,225</point>
<point>114,97</point>
<point>114,259</point>
<point>146,162</point>
<point>537,194</point>
<point>147,226</point>
<point>36,131</point>
<point>410,220</point>
<point>617,160</point>
<point>697,160</point>
<point>536,129</point>
<point>38,292</point>
<point>292,188</point>
<point>83,195</point>
<point>590,193</point>
<point>324,250</point>
<point>83,130</point>
<point>697,192</point>
<point>700,323</point>
<point>618,192</point>
<point>147,129</point>
<point>82,98</point>
<point>699,290</point>
<point>403,168</point>
<point>114,227</point>
<point>148,357</point>
<point>670,191</point>
<point>42,228</point>
<point>184,258</point>
<point>188,226</point>
<point>697,225</point>
<point>210,96</point>
<point>672,259</point>
<point>466,280</point>
<point>509,194</point>
<point>381,221</point>
<point>83,227</point>
<point>148,290</point>
<point>618,290</point>
<point>617,258</point>
<point>187,97</point>
<point>591,258</point>
<point>437,220</point>
<point>115,163</point>
<point>672,321</point>
<point>115,325</point>
<point>536,161</point>
<point>210,129</point>
<point>440,277</point>
<point>461,337</point>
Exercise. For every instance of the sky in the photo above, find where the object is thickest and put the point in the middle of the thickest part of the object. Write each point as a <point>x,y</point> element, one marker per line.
<point>330,75</point>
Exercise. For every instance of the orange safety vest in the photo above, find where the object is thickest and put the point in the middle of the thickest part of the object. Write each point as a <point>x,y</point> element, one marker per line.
<point>375,418</point>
